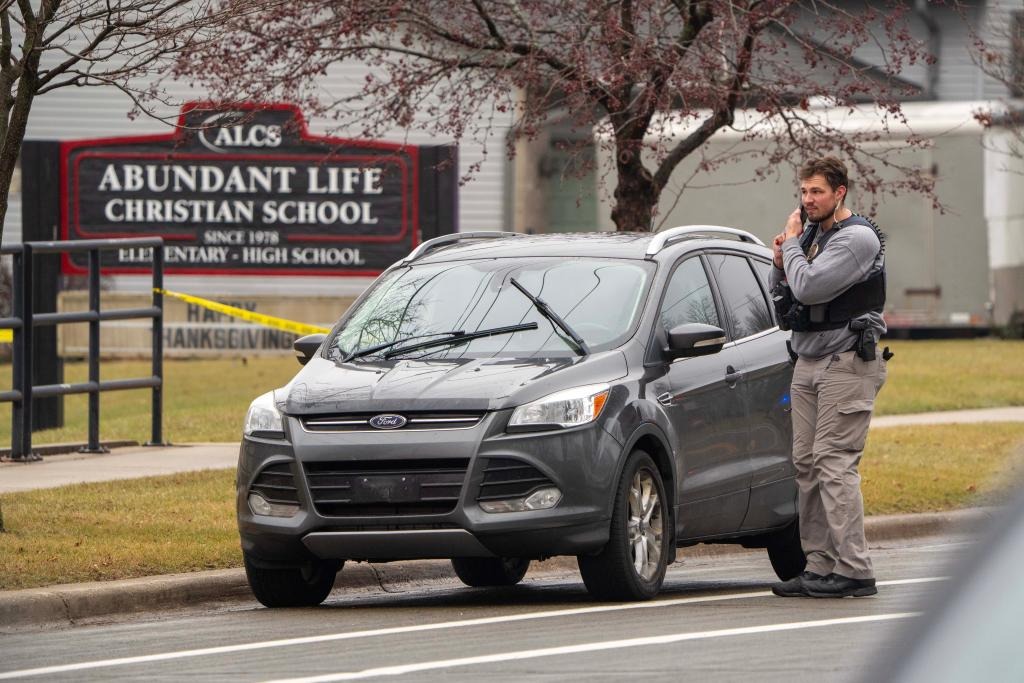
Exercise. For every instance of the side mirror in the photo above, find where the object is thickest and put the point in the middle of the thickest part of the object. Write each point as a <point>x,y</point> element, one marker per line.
<point>306,346</point>
<point>694,339</point>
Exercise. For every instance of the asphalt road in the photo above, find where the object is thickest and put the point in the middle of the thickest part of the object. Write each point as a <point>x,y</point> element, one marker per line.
<point>715,620</point>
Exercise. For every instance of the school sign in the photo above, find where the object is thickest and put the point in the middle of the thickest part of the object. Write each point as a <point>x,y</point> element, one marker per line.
<point>248,190</point>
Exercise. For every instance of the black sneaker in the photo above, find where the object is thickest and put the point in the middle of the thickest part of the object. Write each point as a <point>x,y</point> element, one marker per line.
<point>795,587</point>
<point>836,586</point>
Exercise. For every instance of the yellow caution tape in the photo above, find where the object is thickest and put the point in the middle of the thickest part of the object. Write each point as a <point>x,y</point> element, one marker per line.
<point>249,316</point>
<point>6,336</point>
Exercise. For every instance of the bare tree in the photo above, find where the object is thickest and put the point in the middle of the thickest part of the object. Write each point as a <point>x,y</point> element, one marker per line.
<point>999,53</point>
<point>50,44</point>
<point>638,67</point>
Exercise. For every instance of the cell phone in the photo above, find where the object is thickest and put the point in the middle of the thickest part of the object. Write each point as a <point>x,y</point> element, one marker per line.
<point>803,215</point>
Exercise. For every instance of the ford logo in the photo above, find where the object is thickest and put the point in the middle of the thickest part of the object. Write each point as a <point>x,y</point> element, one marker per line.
<point>387,421</point>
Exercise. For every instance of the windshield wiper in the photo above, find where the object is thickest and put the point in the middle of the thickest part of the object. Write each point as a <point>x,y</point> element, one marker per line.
<point>546,311</point>
<point>369,350</point>
<point>461,338</point>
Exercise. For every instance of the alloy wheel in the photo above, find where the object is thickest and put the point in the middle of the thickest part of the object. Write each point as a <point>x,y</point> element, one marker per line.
<point>645,525</point>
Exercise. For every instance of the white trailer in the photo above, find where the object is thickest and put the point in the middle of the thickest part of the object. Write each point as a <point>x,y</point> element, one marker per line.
<point>958,268</point>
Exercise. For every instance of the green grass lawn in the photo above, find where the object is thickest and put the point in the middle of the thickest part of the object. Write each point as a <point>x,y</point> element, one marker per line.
<point>205,400</point>
<point>185,522</point>
<point>117,530</point>
<point>941,467</point>
<point>952,375</point>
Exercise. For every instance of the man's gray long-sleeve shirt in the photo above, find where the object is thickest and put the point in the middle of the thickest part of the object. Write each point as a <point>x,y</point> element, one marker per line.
<point>848,257</point>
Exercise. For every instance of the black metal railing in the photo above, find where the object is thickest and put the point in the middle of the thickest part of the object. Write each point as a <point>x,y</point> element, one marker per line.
<point>23,320</point>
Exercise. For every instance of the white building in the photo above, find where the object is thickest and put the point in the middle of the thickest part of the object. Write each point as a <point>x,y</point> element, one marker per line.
<point>529,194</point>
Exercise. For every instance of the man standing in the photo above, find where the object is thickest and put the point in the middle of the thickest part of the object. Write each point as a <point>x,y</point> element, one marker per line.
<point>829,288</point>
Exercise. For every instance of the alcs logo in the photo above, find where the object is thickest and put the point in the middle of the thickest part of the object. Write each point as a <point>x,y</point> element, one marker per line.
<point>223,131</point>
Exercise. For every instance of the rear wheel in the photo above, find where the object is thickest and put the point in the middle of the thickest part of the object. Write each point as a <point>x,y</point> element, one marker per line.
<point>632,564</point>
<point>292,587</point>
<point>490,571</point>
<point>786,553</point>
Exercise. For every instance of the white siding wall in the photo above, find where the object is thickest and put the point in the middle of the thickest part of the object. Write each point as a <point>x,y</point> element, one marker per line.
<point>75,113</point>
<point>959,77</point>
<point>996,25</point>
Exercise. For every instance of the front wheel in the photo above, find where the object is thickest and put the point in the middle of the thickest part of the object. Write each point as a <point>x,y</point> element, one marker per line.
<point>305,586</point>
<point>488,571</point>
<point>786,553</point>
<point>632,564</point>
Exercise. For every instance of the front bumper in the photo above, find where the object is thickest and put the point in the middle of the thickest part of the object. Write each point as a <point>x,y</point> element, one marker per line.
<point>581,462</point>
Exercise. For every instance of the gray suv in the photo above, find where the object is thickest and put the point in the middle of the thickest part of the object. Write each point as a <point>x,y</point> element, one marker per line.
<point>497,398</point>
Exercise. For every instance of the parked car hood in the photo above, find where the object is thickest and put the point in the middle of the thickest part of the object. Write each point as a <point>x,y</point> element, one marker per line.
<point>324,386</point>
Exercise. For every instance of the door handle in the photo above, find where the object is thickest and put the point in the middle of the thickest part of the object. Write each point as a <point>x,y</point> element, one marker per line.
<point>665,399</point>
<point>731,376</point>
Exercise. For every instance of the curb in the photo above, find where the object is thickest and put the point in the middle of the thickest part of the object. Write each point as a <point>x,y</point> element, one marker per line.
<point>70,604</point>
<point>881,528</point>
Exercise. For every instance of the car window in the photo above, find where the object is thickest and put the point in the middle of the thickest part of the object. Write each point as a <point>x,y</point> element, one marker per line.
<point>688,297</point>
<point>742,297</point>
<point>764,272</point>
<point>600,299</point>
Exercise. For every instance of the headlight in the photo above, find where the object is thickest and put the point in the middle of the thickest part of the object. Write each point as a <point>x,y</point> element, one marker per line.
<point>569,408</point>
<point>263,419</point>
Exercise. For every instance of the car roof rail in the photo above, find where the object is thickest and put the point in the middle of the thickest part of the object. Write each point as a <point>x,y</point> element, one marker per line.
<point>665,237</point>
<point>452,238</point>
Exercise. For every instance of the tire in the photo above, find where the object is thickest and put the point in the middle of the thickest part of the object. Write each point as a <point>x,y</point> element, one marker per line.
<point>292,587</point>
<point>486,571</point>
<point>637,528</point>
<point>785,552</point>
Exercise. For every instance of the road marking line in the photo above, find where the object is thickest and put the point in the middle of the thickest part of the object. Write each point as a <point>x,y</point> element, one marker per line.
<point>908,582</point>
<point>590,647</point>
<point>938,547</point>
<point>396,630</point>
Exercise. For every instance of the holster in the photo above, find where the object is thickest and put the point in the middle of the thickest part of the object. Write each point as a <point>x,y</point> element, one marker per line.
<point>782,300</point>
<point>865,340</point>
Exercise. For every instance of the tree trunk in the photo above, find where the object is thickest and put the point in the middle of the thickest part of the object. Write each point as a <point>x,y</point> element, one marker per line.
<point>9,156</point>
<point>635,194</point>
<point>17,119</point>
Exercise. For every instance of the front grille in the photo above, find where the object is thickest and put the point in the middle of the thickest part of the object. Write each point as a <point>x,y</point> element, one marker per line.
<point>360,422</point>
<point>276,484</point>
<point>507,478</point>
<point>386,488</point>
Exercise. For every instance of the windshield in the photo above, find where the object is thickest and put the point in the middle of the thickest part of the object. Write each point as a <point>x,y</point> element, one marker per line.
<point>599,298</point>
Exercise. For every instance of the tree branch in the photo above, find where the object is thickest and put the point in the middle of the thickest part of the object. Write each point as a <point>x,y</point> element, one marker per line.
<point>722,116</point>
<point>491,27</point>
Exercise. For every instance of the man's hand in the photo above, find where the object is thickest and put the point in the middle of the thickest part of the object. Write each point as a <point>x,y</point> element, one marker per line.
<point>794,226</point>
<point>777,249</point>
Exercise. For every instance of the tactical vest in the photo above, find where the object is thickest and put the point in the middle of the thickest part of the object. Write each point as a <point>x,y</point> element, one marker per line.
<point>863,297</point>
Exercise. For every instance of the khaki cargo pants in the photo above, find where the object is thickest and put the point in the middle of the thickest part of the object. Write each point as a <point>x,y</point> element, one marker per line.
<point>832,400</point>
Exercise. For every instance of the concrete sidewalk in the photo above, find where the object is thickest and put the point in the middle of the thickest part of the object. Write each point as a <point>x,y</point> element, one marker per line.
<point>951,417</point>
<point>141,461</point>
<point>120,463</point>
